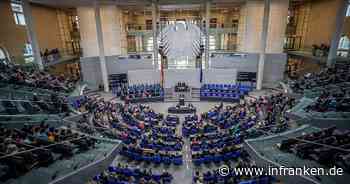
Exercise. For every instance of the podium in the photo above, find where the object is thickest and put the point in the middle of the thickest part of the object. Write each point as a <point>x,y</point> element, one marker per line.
<point>182,101</point>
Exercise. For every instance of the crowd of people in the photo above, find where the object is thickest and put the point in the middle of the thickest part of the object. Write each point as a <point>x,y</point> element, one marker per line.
<point>257,113</point>
<point>50,55</point>
<point>329,75</point>
<point>15,74</point>
<point>147,135</point>
<point>20,149</point>
<point>215,136</point>
<point>327,101</point>
<point>327,146</point>
<point>53,105</point>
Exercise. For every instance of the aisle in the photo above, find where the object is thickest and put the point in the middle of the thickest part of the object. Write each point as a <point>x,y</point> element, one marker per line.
<point>185,175</point>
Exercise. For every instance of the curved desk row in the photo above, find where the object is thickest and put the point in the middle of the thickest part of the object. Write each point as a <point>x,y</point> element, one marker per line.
<point>182,110</point>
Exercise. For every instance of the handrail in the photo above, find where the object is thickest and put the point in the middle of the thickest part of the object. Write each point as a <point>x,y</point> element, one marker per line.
<point>31,101</point>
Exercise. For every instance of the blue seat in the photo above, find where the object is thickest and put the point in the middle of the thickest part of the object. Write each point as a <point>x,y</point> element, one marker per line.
<point>207,159</point>
<point>112,169</point>
<point>198,161</point>
<point>96,178</point>
<point>166,160</point>
<point>138,157</point>
<point>157,159</point>
<point>177,161</point>
<point>147,158</point>
<point>157,177</point>
<point>218,158</point>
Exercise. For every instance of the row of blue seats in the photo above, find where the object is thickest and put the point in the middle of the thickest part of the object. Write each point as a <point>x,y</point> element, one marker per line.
<point>217,178</point>
<point>219,143</point>
<point>191,118</point>
<point>154,89</point>
<point>261,180</point>
<point>221,95</point>
<point>135,173</point>
<point>165,137</point>
<point>238,92</point>
<point>173,118</point>
<point>78,102</point>
<point>187,131</point>
<point>144,86</point>
<point>154,146</point>
<point>151,92</point>
<point>164,130</point>
<point>191,129</point>
<point>171,123</point>
<point>157,159</point>
<point>226,86</point>
<point>129,119</point>
<point>216,158</point>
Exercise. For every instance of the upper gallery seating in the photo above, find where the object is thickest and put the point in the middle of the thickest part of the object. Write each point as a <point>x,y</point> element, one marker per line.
<point>224,92</point>
<point>50,55</point>
<point>30,137</point>
<point>181,87</point>
<point>145,92</point>
<point>338,102</point>
<point>14,74</point>
<point>334,75</point>
<point>56,104</point>
<point>126,175</point>
<point>328,147</point>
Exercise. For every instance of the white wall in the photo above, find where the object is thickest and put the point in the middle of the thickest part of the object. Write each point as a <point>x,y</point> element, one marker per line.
<point>220,76</point>
<point>244,63</point>
<point>190,76</point>
<point>143,77</point>
<point>118,65</point>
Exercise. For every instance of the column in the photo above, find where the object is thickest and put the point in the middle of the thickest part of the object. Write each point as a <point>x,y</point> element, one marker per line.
<point>112,29</point>
<point>207,21</point>
<point>154,30</point>
<point>138,40</point>
<point>101,47</point>
<point>32,37</point>
<point>141,43</point>
<point>263,44</point>
<point>339,22</point>
<point>222,41</point>
<point>137,43</point>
